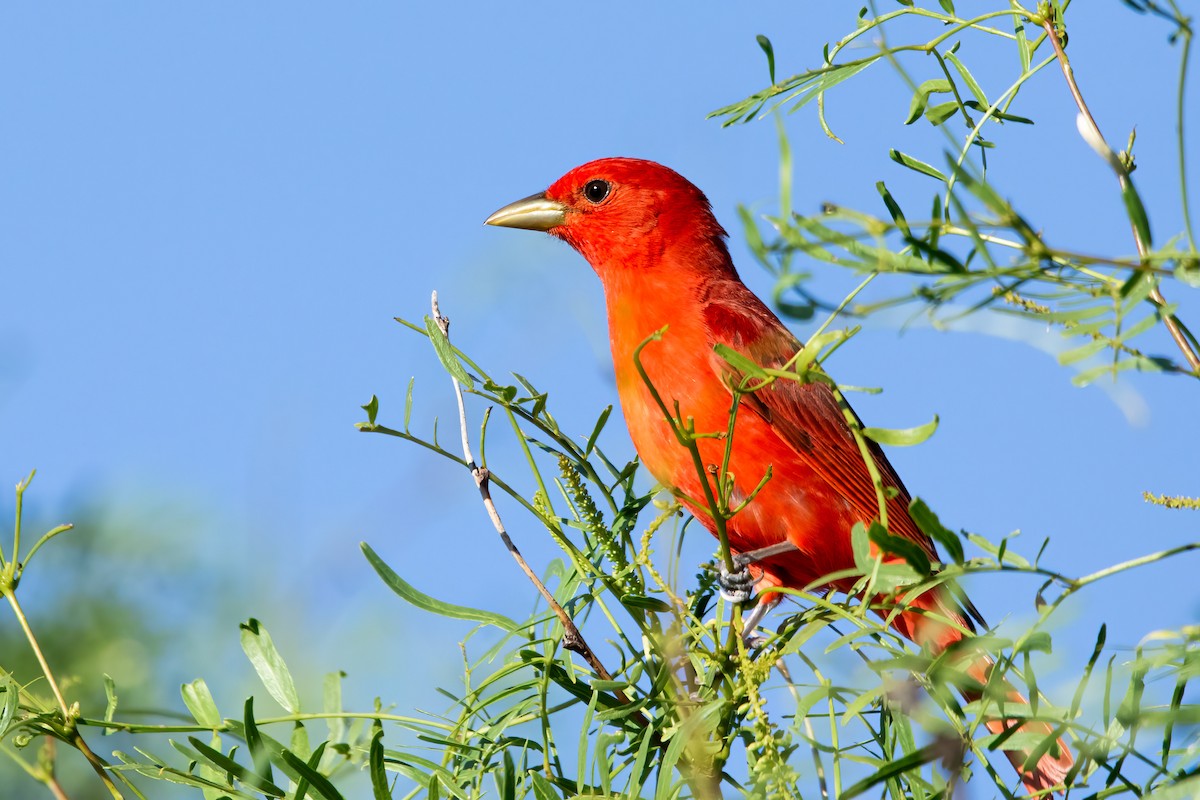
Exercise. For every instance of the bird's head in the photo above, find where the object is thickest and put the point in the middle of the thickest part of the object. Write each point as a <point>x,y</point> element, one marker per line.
<point>625,214</point>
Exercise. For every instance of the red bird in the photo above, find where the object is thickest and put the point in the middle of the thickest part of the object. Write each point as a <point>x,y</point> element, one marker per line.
<point>652,238</point>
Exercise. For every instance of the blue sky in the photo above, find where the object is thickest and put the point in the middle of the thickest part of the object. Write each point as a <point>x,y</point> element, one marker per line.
<point>209,215</point>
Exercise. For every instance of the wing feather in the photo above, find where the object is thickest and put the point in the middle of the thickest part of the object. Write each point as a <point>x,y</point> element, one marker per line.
<point>806,416</point>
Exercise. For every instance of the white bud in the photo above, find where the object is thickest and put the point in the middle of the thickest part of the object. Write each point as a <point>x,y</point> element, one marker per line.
<point>1091,135</point>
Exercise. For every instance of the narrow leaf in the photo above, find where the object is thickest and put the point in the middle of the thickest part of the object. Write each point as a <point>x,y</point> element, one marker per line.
<point>427,603</point>
<point>1076,354</point>
<point>227,764</point>
<point>915,164</point>
<point>921,97</point>
<point>1136,211</point>
<point>893,208</point>
<point>110,707</point>
<point>591,440</point>
<point>254,742</point>
<point>319,784</point>
<point>408,401</point>
<point>445,353</point>
<point>199,701</point>
<point>379,781</point>
<point>941,112</point>
<point>902,437</point>
<point>907,549</point>
<point>269,665</point>
<point>765,44</point>
<point>969,79</point>
<point>372,408</point>
<point>932,527</point>
<point>739,362</point>
<point>891,769</point>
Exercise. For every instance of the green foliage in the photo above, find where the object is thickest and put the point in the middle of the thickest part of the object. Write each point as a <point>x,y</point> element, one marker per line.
<point>975,250</point>
<point>676,702</point>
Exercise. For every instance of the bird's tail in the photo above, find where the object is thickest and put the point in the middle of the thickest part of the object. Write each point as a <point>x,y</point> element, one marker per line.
<point>926,626</point>
<point>1052,767</point>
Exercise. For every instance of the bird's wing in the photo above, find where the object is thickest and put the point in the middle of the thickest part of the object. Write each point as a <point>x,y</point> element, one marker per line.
<point>806,416</point>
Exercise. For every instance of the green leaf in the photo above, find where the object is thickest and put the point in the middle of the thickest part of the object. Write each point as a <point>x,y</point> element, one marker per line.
<point>214,782</point>
<point>507,779</point>
<point>269,665</point>
<point>932,527</point>
<point>445,353</point>
<point>544,789</point>
<point>739,362</point>
<point>1188,272</point>
<point>891,769</point>
<point>408,400</point>
<point>915,164</point>
<point>379,781</point>
<point>907,549</point>
<point>1000,551</point>
<point>1023,49</point>
<point>1037,641</point>
<point>308,774</point>
<point>591,440</point>
<point>646,603</point>
<point>504,393</point>
<point>199,701</point>
<point>1130,708</point>
<point>372,408</point>
<point>254,742</point>
<point>1186,789</point>
<point>1076,354</point>
<point>997,114</point>
<point>331,704</point>
<point>1142,325</point>
<point>941,112</point>
<point>969,79</point>
<point>227,764</point>
<point>427,603</point>
<point>110,707</point>
<point>860,545</point>
<point>893,208</point>
<point>948,6</point>
<point>879,259</point>
<point>817,83</point>
<point>1090,375</point>
<point>9,700</point>
<point>765,44</point>
<point>1136,211</point>
<point>921,97</point>
<point>902,437</point>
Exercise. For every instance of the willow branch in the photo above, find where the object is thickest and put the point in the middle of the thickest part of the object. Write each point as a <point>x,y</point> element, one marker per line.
<point>572,639</point>
<point>1143,246</point>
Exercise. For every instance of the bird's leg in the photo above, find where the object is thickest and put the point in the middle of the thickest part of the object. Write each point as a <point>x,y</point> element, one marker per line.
<point>750,623</point>
<point>738,586</point>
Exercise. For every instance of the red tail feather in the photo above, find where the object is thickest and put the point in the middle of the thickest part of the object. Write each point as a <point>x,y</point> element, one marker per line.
<point>1052,768</point>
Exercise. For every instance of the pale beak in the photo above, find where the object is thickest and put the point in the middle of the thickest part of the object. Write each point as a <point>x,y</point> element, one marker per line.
<point>535,213</point>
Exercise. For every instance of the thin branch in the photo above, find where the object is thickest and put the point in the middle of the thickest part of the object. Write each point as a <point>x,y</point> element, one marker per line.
<point>1143,246</point>
<point>572,639</point>
<point>23,621</point>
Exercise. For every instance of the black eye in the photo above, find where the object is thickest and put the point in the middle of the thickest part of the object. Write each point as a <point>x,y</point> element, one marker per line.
<point>596,191</point>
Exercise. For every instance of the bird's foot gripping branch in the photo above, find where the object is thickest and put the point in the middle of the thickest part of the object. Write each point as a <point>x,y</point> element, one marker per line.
<point>837,698</point>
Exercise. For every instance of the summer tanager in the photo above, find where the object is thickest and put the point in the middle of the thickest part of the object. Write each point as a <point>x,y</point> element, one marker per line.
<point>653,240</point>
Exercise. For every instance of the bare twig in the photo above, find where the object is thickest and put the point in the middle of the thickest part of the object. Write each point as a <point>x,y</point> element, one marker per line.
<point>1143,247</point>
<point>572,639</point>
